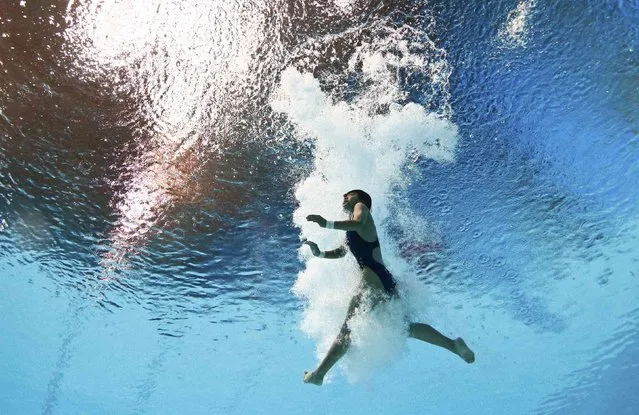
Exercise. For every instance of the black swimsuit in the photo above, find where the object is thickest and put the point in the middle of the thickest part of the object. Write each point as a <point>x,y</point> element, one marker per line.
<point>363,252</point>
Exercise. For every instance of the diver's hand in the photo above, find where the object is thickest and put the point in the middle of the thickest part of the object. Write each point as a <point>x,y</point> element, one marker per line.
<point>314,248</point>
<point>317,219</point>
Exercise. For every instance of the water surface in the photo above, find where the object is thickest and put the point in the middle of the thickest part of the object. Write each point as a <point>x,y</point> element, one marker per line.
<point>157,160</point>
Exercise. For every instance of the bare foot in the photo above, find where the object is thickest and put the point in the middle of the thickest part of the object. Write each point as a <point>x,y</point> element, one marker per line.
<point>464,351</point>
<point>311,377</point>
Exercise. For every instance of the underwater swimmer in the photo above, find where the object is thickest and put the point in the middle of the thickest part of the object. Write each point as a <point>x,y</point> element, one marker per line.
<point>361,240</point>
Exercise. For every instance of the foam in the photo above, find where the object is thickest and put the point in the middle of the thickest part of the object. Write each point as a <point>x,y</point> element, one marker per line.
<point>514,32</point>
<point>354,148</point>
<point>378,338</point>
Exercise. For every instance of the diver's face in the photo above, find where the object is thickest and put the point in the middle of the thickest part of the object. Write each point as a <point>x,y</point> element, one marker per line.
<point>349,201</point>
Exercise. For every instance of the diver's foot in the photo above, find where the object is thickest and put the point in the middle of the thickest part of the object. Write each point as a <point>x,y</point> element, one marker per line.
<point>312,377</point>
<point>463,351</point>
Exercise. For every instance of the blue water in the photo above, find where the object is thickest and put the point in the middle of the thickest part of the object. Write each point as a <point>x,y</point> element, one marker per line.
<point>157,161</point>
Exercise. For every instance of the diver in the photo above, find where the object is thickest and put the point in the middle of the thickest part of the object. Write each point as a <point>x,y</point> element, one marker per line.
<point>362,241</point>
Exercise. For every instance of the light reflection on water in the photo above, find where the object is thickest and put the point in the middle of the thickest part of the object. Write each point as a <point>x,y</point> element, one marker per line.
<point>142,164</point>
<point>202,88</point>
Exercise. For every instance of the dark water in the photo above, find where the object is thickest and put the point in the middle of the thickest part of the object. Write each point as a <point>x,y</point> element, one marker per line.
<point>126,153</point>
<point>76,145</point>
<point>145,172</point>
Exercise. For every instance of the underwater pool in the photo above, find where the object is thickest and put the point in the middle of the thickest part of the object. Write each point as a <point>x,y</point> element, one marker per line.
<point>158,160</point>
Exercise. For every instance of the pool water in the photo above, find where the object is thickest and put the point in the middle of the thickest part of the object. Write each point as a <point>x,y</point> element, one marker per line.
<point>158,160</point>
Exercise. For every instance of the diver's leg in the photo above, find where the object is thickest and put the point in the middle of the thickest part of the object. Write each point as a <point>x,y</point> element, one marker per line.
<point>337,351</point>
<point>338,348</point>
<point>428,334</point>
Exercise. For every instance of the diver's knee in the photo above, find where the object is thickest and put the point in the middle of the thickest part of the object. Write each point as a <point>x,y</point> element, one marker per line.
<point>344,336</point>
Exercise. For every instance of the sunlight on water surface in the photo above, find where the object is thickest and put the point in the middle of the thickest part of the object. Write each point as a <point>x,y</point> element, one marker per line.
<point>157,161</point>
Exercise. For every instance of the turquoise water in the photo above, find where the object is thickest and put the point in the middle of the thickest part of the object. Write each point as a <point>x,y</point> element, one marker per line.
<point>157,161</point>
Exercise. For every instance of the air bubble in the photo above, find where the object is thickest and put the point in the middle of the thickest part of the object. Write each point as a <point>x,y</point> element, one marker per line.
<point>511,276</point>
<point>500,261</point>
<point>516,294</point>
<point>462,228</point>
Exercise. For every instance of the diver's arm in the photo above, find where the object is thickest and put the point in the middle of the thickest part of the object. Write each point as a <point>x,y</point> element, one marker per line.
<point>357,221</point>
<point>333,254</point>
<point>360,216</point>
